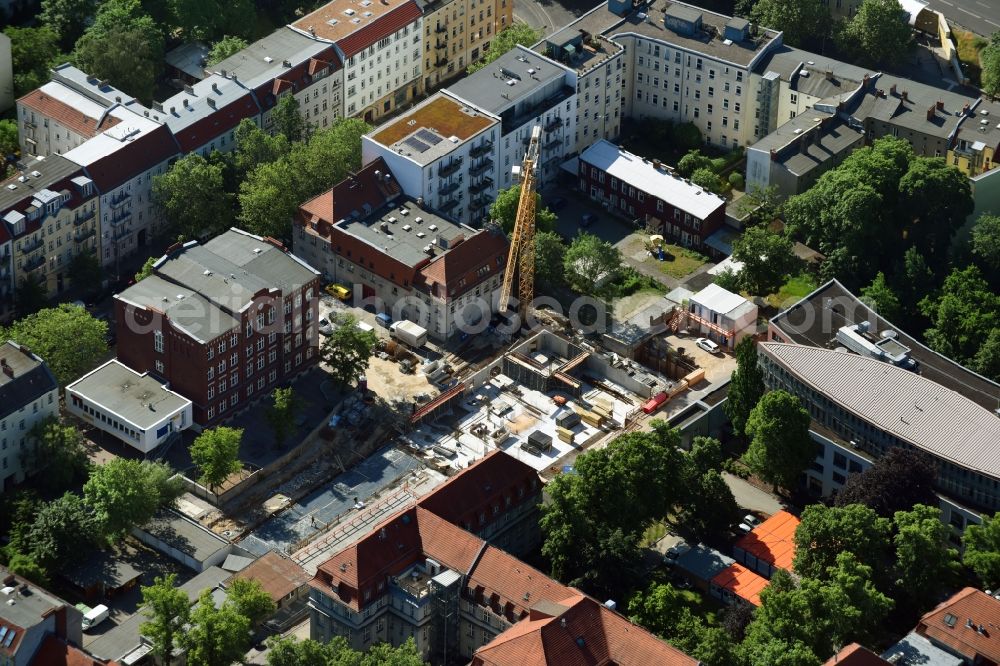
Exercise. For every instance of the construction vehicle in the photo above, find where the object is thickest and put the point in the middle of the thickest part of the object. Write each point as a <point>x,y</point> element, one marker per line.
<point>521,259</point>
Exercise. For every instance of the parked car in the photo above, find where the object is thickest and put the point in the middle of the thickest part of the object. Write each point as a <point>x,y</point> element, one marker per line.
<point>325,327</point>
<point>587,219</point>
<point>707,345</point>
<point>751,520</point>
<point>556,203</point>
<point>674,552</point>
<point>745,528</point>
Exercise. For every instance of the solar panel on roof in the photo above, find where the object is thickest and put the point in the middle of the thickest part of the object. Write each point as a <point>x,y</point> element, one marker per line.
<point>429,137</point>
<point>416,144</point>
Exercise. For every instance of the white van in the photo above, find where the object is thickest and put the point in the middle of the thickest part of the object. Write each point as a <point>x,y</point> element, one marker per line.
<point>96,615</point>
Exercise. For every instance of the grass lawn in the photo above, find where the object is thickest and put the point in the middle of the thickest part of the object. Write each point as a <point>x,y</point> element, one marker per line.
<point>969,46</point>
<point>796,288</point>
<point>653,533</point>
<point>681,261</point>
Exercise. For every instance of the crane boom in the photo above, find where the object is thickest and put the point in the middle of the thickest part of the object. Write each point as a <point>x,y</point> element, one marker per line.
<point>522,244</point>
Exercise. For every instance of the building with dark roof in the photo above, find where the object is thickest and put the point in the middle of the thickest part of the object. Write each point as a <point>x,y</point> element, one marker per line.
<point>29,615</point>
<point>400,256</point>
<point>855,655</point>
<point>964,626</point>
<point>283,580</point>
<point>223,323</point>
<point>29,394</point>
<point>417,574</point>
<point>203,117</point>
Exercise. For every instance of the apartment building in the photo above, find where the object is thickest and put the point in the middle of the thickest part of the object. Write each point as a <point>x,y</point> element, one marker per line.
<point>49,212</point>
<point>445,152</point>
<point>600,64</point>
<point>6,274</point>
<point>203,117</point>
<point>400,256</point>
<point>6,74</point>
<point>524,89</point>
<point>977,142</point>
<point>223,323</point>
<point>29,394</point>
<point>641,189</point>
<point>287,62</point>
<point>381,45</point>
<point>30,617</point>
<point>420,575</point>
<point>691,65</point>
<point>457,33</point>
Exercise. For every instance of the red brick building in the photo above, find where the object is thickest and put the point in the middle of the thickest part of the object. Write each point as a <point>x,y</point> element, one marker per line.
<point>641,189</point>
<point>223,323</point>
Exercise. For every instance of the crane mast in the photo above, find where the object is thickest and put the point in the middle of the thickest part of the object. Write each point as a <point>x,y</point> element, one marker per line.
<point>521,259</point>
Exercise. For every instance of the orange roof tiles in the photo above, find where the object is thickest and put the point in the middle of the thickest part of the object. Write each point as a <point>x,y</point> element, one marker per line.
<point>512,582</point>
<point>947,625</point>
<point>484,250</point>
<point>855,655</point>
<point>742,582</point>
<point>773,541</point>
<point>354,25</point>
<point>56,652</point>
<point>441,114</point>
<point>66,115</point>
<point>278,575</point>
<point>578,631</point>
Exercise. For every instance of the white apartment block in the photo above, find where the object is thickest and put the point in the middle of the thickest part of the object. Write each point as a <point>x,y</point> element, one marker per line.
<point>444,152</point>
<point>29,394</point>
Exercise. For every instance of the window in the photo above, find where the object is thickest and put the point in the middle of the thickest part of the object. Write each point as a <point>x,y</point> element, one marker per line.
<point>839,478</point>
<point>233,400</point>
<point>211,392</point>
<point>158,342</point>
<point>210,374</point>
<point>159,368</point>
<point>840,460</point>
<point>222,386</point>
<point>234,340</point>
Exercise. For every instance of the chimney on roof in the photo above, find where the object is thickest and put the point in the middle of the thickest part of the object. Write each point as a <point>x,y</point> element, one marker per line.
<point>892,90</point>
<point>185,103</point>
<point>223,73</point>
<point>931,112</point>
<point>7,370</point>
<point>211,102</point>
<point>940,105</point>
<point>965,109</point>
<point>906,96</point>
<point>215,87</point>
<point>286,63</point>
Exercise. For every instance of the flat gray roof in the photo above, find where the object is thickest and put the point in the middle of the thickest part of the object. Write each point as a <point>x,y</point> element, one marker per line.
<point>709,42</point>
<point>137,398</point>
<point>511,78</point>
<point>826,76</point>
<point>900,402</point>
<point>812,146</point>
<point>262,60</point>
<point>185,535</point>
<point>189,58</point>
<point>189,311</point>
<point>918,650</point>
<point>206,97</point>
<point>393,239</point>
<point>27,610</point>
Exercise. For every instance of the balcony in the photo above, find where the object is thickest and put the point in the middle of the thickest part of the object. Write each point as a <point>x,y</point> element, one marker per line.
<point>555,124</point>
<point>438,44</point>
<point>448,189</point>
<point>117,202</point>
<point>32,246</point>
<point>83,217</point>
<point>449,204</point>
<point>481,168</point>
<point>453,167</point>
<point>81,236</point>
<point>440,62</point>
<point>479,203</point>
<point>482,186</point>
<point>441,30</point>
<point>33,263</point>
<point>553,143</point>
<point>482,149</point>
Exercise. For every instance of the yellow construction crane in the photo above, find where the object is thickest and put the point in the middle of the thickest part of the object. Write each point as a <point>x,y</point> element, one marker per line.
<point>522,243</point>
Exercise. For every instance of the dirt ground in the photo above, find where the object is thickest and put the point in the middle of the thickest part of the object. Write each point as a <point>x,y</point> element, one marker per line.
<point>625,308</point>
<point>385,379</point>
<point>716,366</point>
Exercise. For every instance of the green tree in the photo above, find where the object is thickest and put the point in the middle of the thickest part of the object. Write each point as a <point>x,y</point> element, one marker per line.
<point>505,40</point>
<point>963,316</point>
<point>989,61</point>
<point>685,136</point>
<point>504,211</point>
<point>589,260</point>
<point>68,356</point>
<point>281,415</point>
<point>287,119</point>
<point>761,205</point>
<point>936,199</point>
<point>987,360</point>
<point>698,639</point>
<point>224,48</point>
<point>802,21</point>
<point>193,198</point>
<point>746,387</point>
<point>915,282</point>
<point>216,636</point>
<point>30,296</point>
<point>216,453</point>
<point>880,297</point>
<point>925,563</point>
<point>201,19</point>
<point>67,18</point>
<point>57,449</point>
<point>85,271</point>
<point>982,550</point>
<point>658,609</point>
<point>824,532</point>
<point>289,651</point>
<point>146,270</point>
<point>550,252</point>
<point>271,194</point>
<point>33,51</point>
<point>250,600</point>
<point>711,508</point>
<point>767,258</point>
<point>26,566</point>
<point>348,350</point>
<point>877,33</point>
<point>780,446</point>
<point>62,532</point>
<point>986,241</point>
<point>692,161</point>
<point>707,179</point>
<point>254,147</point>
<point>897,481</point>
<point>125,493</point>
<point>167,610</point>
<point>8,138</point>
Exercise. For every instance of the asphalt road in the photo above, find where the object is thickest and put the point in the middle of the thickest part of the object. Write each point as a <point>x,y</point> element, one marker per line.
<point>979,16</point>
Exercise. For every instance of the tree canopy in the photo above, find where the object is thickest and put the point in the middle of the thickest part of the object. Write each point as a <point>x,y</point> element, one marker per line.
<point>125,493</point>
<point>250,600</point>
<point>289,651</point>
<point>880,297</point>
<point>982,550</point>
<point>926,564</point>
<point>897,481</point>
<point>193,197</point>
<point>167,610</point>
<point>514,34</point>
<point>824,532</point>
<point>216,453</point>
<point>62,532</point>
<point>504,211</point>
<point>67,18</point>
<point>33,51</point>
<point>780,446</point>
<point>989,61</point>
<point>877,33</point>
<point>746,387</point>
<point>589,260</point>
<point>550,253</point>
<point>216,636</point>
<point>802,21</point>
<point>58,449</point>
<point>348,350</point>
<point>986,242</point>
<point>224,48</point>
<point>963,316</point>
<point>767,260</point>
<point>68,356</point>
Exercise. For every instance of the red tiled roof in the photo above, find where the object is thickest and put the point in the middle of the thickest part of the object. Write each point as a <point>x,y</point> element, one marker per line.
<point>742,582</point>
<point>773,541</point>
<point>578,631</point>
<point>947,625</point>
<point>500,573</point>
<point>379,29</point>
<point>56,652</point>
<point>349,195</point>
<point>133,158</point>
<point>66,115</point>
<point>217,123</point>
<point>855,655</point>
<point>464,261</point>
<point>277,574</point>
<point>479,488</point>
